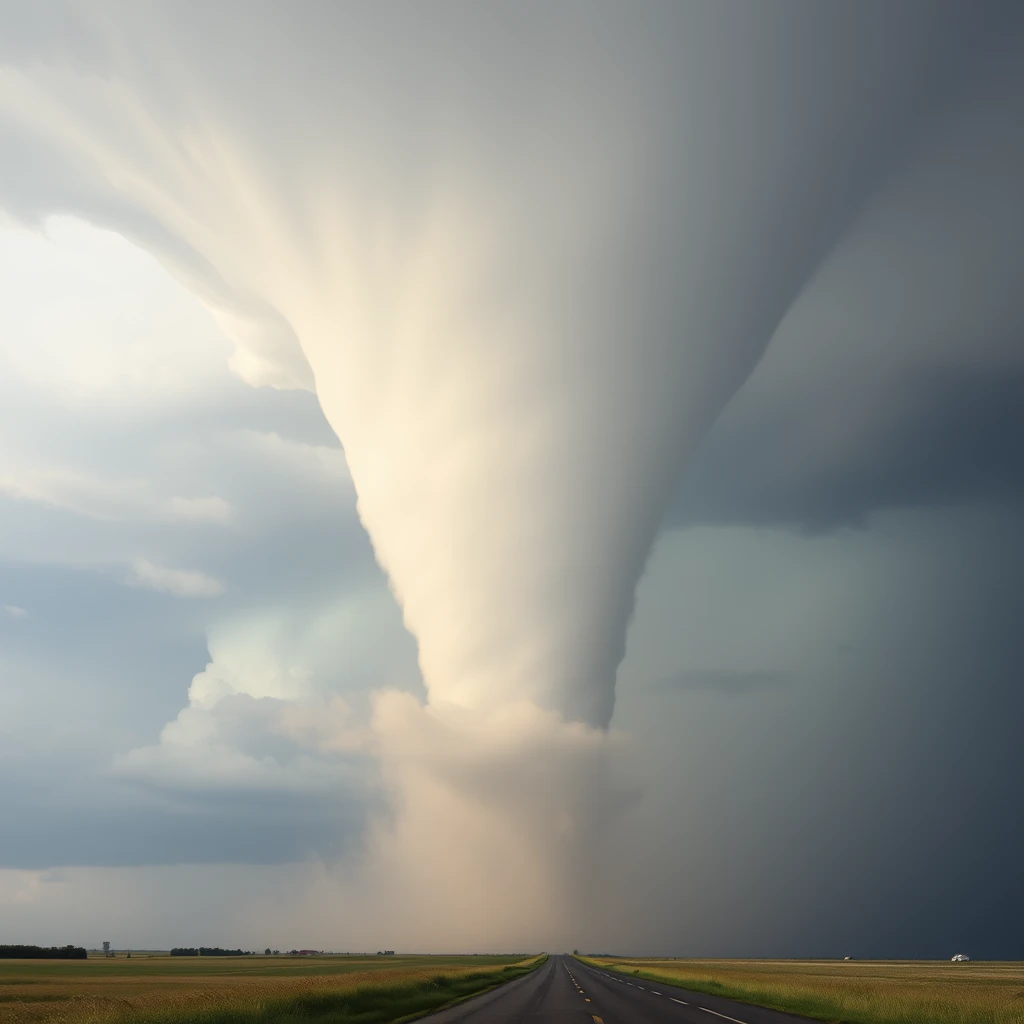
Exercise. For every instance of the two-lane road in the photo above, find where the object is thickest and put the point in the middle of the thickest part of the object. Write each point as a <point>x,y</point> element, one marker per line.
<point>564,991</point>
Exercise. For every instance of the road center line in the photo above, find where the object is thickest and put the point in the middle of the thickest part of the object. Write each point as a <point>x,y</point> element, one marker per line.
<point>679,1001</point>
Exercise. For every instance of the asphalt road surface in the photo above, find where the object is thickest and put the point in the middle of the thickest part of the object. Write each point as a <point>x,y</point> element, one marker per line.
<point>564,991</point>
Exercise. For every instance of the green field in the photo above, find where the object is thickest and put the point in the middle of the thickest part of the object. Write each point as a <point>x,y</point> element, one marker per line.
<point>244,990</point>
<point>851,992</point>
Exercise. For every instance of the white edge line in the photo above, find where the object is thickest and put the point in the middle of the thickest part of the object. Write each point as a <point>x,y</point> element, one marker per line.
<point>722,1015</point>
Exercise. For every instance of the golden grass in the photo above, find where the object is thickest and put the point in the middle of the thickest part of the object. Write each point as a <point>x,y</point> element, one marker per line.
<point>178,988</point>
<point>855,991</point>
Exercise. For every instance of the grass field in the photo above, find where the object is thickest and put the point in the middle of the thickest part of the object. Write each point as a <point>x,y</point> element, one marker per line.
<point>855,991</point>
<point>244,990</point>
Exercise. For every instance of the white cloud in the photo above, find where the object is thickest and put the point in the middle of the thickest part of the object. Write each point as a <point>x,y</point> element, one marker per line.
<point>183,582</point>
<point>102,497</point>
<point>307,654</point>
<point>14,611</point>
<point>266,714</point>
<point>252,744</point>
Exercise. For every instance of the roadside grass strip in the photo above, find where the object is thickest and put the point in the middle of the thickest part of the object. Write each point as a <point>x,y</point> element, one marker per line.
<point>380,997</point>
<point>850,991</point>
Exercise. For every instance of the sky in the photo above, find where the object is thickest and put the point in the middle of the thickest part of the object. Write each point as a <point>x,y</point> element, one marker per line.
<point>511,477</point>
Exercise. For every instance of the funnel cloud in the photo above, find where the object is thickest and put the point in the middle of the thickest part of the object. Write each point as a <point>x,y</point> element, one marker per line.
<point>564,279</point>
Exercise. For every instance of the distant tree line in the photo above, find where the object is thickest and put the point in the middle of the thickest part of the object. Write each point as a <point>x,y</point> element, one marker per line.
<point>42,953</point>
<point>207,951</point>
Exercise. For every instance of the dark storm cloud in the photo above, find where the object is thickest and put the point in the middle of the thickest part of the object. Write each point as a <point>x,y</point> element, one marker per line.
<point>869,807</point>
<point>945,437</point>
<point>896,378</point>
<point>59,678</point>
<point>61,820</point>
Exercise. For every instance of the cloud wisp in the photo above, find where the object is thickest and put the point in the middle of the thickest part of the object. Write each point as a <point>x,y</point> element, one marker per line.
<point>182,582</point>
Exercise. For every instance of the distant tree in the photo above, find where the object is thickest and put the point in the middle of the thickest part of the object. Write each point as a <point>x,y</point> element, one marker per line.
<point>207,951</point>
<point>43,952</point>
<point>266,952</point>
<point>277,952</point>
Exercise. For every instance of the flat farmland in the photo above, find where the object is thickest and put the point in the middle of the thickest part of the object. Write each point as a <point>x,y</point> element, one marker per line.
<point>851,991</point>
<point>243,990</point>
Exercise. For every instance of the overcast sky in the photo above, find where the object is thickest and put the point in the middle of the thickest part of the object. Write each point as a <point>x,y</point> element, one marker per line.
<point>533,476</point>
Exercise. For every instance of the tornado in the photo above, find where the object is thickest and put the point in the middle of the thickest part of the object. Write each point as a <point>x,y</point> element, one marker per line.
<point>524,253</point>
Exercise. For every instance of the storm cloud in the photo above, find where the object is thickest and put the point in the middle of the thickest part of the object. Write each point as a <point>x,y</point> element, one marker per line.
<point>559,277</point>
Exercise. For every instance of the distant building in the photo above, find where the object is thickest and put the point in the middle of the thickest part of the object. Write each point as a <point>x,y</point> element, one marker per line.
<point>389,952</point>
<point>960,958</point>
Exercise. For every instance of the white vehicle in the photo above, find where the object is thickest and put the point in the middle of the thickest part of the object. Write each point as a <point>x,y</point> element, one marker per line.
<point>961,958</point>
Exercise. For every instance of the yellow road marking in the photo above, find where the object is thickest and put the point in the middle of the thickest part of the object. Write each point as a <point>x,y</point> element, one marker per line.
<point>597,1020</point>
